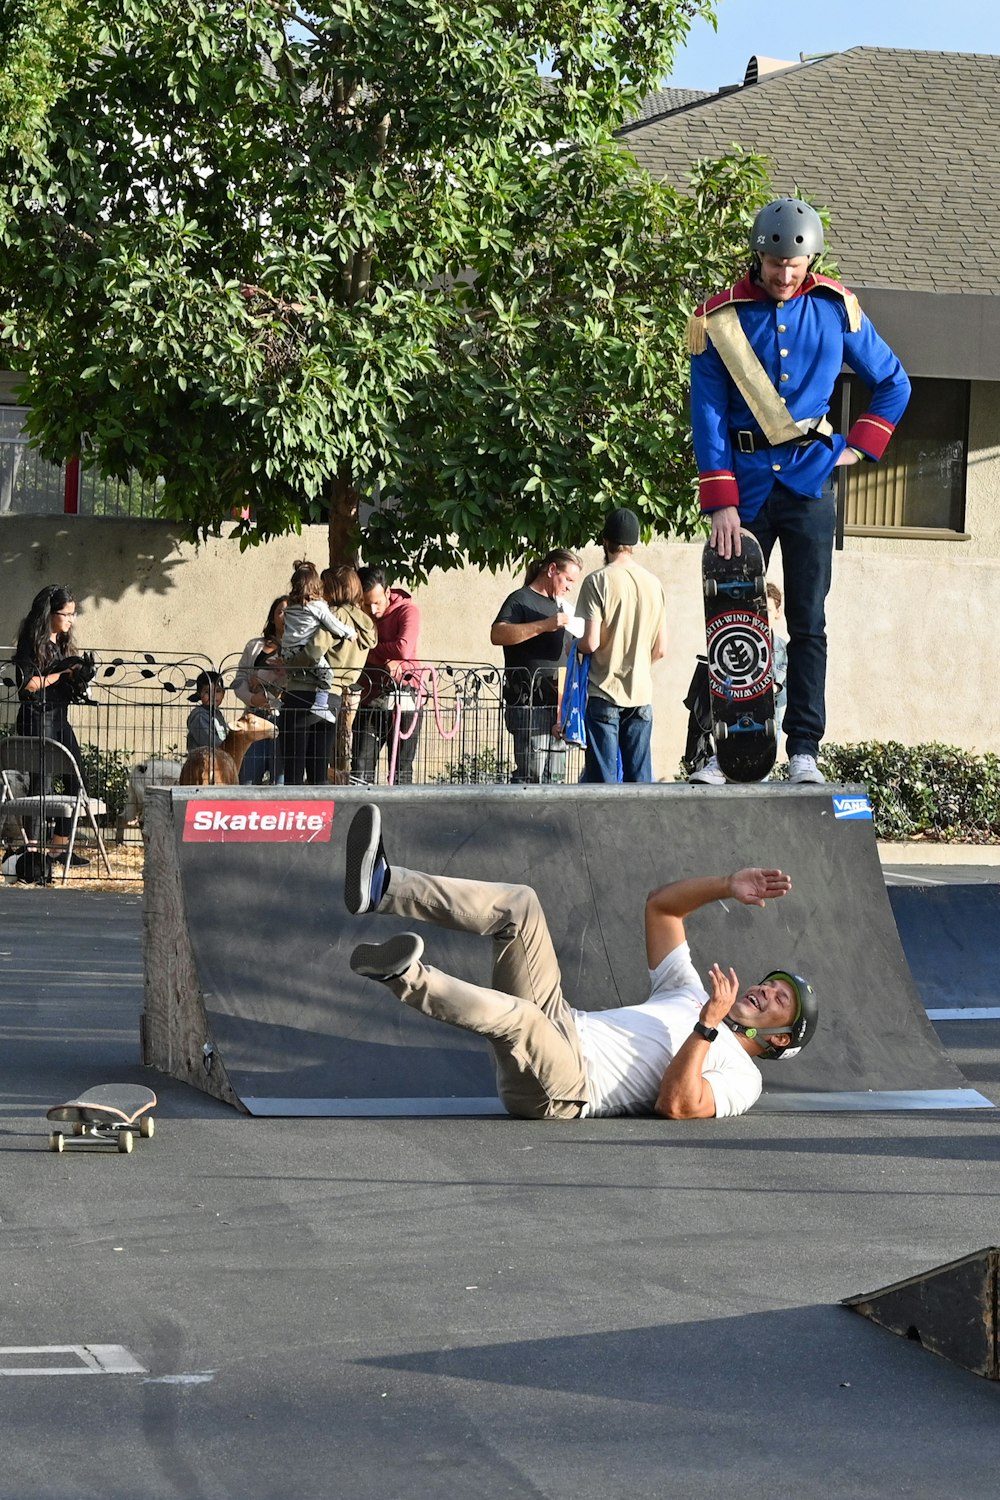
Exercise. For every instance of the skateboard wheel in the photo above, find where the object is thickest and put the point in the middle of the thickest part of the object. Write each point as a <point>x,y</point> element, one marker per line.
<point>125,1141</point>
<point>79,1128</point>
<point>147,1125</point>
<point>711,588</point>
<point>771,729</point>
<point>760,584</point>
<point>56,1141</point>
<point>720,731</point>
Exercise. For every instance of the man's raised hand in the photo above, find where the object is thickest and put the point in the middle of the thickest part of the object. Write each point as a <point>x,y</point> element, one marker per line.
<point>755,887</point>
<point>724,991</point>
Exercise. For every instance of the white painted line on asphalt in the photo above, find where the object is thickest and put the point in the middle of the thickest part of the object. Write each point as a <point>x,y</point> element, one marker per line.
<point>203,1377</point>
<point>966,1013</point>
<point>92,1359</point>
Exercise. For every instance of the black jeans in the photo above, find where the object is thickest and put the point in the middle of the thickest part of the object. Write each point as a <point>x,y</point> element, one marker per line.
<point>306,744</point>
<point>373,729</point>
<point>805,529</point>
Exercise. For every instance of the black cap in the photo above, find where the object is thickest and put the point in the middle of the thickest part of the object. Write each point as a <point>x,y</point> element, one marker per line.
<point>202,681</point>
<point>621,528</point>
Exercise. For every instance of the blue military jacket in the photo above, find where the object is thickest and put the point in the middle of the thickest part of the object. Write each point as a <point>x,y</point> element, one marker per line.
<point>802,345</point>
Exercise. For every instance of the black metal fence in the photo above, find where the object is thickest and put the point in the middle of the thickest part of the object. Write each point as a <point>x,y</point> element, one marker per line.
<point>448,723</point>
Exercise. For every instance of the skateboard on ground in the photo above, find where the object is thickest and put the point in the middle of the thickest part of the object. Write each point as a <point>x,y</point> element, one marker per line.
<point>106,1115</point>
<point>740,661</point>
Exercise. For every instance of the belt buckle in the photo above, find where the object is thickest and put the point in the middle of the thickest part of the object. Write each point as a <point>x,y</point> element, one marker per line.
<point>744,441</point>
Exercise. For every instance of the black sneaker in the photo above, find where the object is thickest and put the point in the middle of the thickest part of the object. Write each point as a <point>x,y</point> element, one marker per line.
<point>74,859</point>
<point>366,870</point>
<point>389,959</point>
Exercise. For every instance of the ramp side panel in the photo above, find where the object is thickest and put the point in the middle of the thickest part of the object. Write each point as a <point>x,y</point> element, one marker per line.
<point>951,937</point>
<point>271,936</point>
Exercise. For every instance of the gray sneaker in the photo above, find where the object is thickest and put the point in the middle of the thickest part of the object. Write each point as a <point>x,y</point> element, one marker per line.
<point>322,715</point>
<point>389,959</point>
<point>366,869</point>
<point>803,769</point>
<point>710,774</point>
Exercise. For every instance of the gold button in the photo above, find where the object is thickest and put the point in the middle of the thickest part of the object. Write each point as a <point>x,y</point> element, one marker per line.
<point>784,377</point>
<point>781,304</point>
<point>776,468</point>
<point>783,353</point>
<point>783,400</point>
<point>782,328</point>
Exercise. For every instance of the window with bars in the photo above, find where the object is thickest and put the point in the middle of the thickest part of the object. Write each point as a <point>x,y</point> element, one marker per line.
<point>920,484</point>
<point>30,486</point>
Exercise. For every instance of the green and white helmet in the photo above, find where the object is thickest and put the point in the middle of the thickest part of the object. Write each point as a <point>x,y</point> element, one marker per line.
<point>786,229</point>
<point>802,1026</point>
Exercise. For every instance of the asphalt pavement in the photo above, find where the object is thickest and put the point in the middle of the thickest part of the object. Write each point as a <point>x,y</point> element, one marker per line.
<point>371,1309</point>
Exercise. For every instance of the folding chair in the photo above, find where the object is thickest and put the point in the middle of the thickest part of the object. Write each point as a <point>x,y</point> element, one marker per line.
<point>47,759</point>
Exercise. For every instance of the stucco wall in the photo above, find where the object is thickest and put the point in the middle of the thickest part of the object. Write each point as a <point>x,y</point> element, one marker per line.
<point>910,652</point>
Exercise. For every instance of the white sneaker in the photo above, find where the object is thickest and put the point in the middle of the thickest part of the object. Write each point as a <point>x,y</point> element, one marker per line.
<point>803,768</point>
<point>710,774</point>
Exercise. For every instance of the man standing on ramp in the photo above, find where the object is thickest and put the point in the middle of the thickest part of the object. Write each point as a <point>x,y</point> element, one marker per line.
<point>765,356</point>
<point>684,1054</point>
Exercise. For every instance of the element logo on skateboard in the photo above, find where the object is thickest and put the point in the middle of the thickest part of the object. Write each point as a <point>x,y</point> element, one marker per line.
<point>739,655</point>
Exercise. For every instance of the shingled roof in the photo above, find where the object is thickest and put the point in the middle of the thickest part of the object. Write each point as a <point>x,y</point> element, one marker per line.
<point>664,101</point>
<point>901,147</point>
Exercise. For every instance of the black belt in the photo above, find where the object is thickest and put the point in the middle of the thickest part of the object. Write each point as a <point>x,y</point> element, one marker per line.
<point>747,441</point>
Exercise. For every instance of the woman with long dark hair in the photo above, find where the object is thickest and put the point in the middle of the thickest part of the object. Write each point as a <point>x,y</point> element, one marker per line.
<point>50,674</point>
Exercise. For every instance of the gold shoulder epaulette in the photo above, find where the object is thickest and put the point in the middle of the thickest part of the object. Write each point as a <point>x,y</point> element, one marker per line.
<point>851,303</point>
<point>697,333</point>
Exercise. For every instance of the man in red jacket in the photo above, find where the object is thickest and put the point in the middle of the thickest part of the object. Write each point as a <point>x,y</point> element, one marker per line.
<point>389,682</point>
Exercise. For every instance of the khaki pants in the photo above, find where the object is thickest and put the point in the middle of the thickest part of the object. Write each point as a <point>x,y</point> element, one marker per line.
<point>541,1073</point>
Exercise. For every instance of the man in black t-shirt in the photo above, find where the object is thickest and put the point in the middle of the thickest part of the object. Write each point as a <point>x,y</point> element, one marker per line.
<point>532,628</point>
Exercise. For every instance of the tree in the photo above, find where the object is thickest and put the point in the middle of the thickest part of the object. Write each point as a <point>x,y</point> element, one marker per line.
<point>289,262</point>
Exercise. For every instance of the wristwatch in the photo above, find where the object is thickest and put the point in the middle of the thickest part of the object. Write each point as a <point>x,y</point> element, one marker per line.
<point>708,1032</point>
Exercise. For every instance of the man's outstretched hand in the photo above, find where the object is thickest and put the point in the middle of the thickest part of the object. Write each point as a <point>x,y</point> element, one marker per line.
<point>755,887</point>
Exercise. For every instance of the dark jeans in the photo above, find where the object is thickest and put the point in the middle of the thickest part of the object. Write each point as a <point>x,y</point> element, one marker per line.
<point>805,529</point>
<point>373,730</point>
<point>612,731</point>
<point>305,744</point>
<point>531,730</point>
<point>261,763</point>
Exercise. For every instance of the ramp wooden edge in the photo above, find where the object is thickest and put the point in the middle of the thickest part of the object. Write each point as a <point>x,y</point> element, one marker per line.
<point>176,1035</point>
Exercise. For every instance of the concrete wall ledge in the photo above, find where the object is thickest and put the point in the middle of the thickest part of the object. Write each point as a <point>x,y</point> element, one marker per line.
<point>926,852</point>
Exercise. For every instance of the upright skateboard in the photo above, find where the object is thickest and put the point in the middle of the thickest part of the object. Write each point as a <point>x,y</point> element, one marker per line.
<point>104,1115</point>
<point>740,662</point>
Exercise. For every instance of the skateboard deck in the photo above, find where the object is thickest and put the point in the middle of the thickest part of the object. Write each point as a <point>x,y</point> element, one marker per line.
<point>104,1115</point>
<point>740,661</point>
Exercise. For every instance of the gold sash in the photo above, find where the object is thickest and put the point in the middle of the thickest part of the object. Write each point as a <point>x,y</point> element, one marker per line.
<point>750,378</point>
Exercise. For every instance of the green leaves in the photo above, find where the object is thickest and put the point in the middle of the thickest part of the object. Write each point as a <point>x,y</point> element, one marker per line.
<point>357,260</point>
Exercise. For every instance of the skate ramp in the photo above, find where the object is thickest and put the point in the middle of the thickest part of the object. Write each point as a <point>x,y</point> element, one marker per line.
<point>249,993</point>
<point>951,937</point>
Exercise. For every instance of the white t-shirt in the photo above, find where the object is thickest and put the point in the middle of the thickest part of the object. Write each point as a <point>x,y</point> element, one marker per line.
<point>627,1049</point>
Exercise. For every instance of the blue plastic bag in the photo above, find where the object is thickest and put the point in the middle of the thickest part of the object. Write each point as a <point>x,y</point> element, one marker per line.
<point>574,700</point>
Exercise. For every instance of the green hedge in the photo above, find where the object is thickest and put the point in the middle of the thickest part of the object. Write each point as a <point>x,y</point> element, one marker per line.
<point>931,791</point>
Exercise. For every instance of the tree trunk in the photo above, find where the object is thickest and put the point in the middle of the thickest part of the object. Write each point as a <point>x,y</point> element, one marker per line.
<point>345,532</point>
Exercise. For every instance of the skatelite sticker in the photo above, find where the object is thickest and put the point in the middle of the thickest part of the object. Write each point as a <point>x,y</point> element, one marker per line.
<point>237,822</point>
